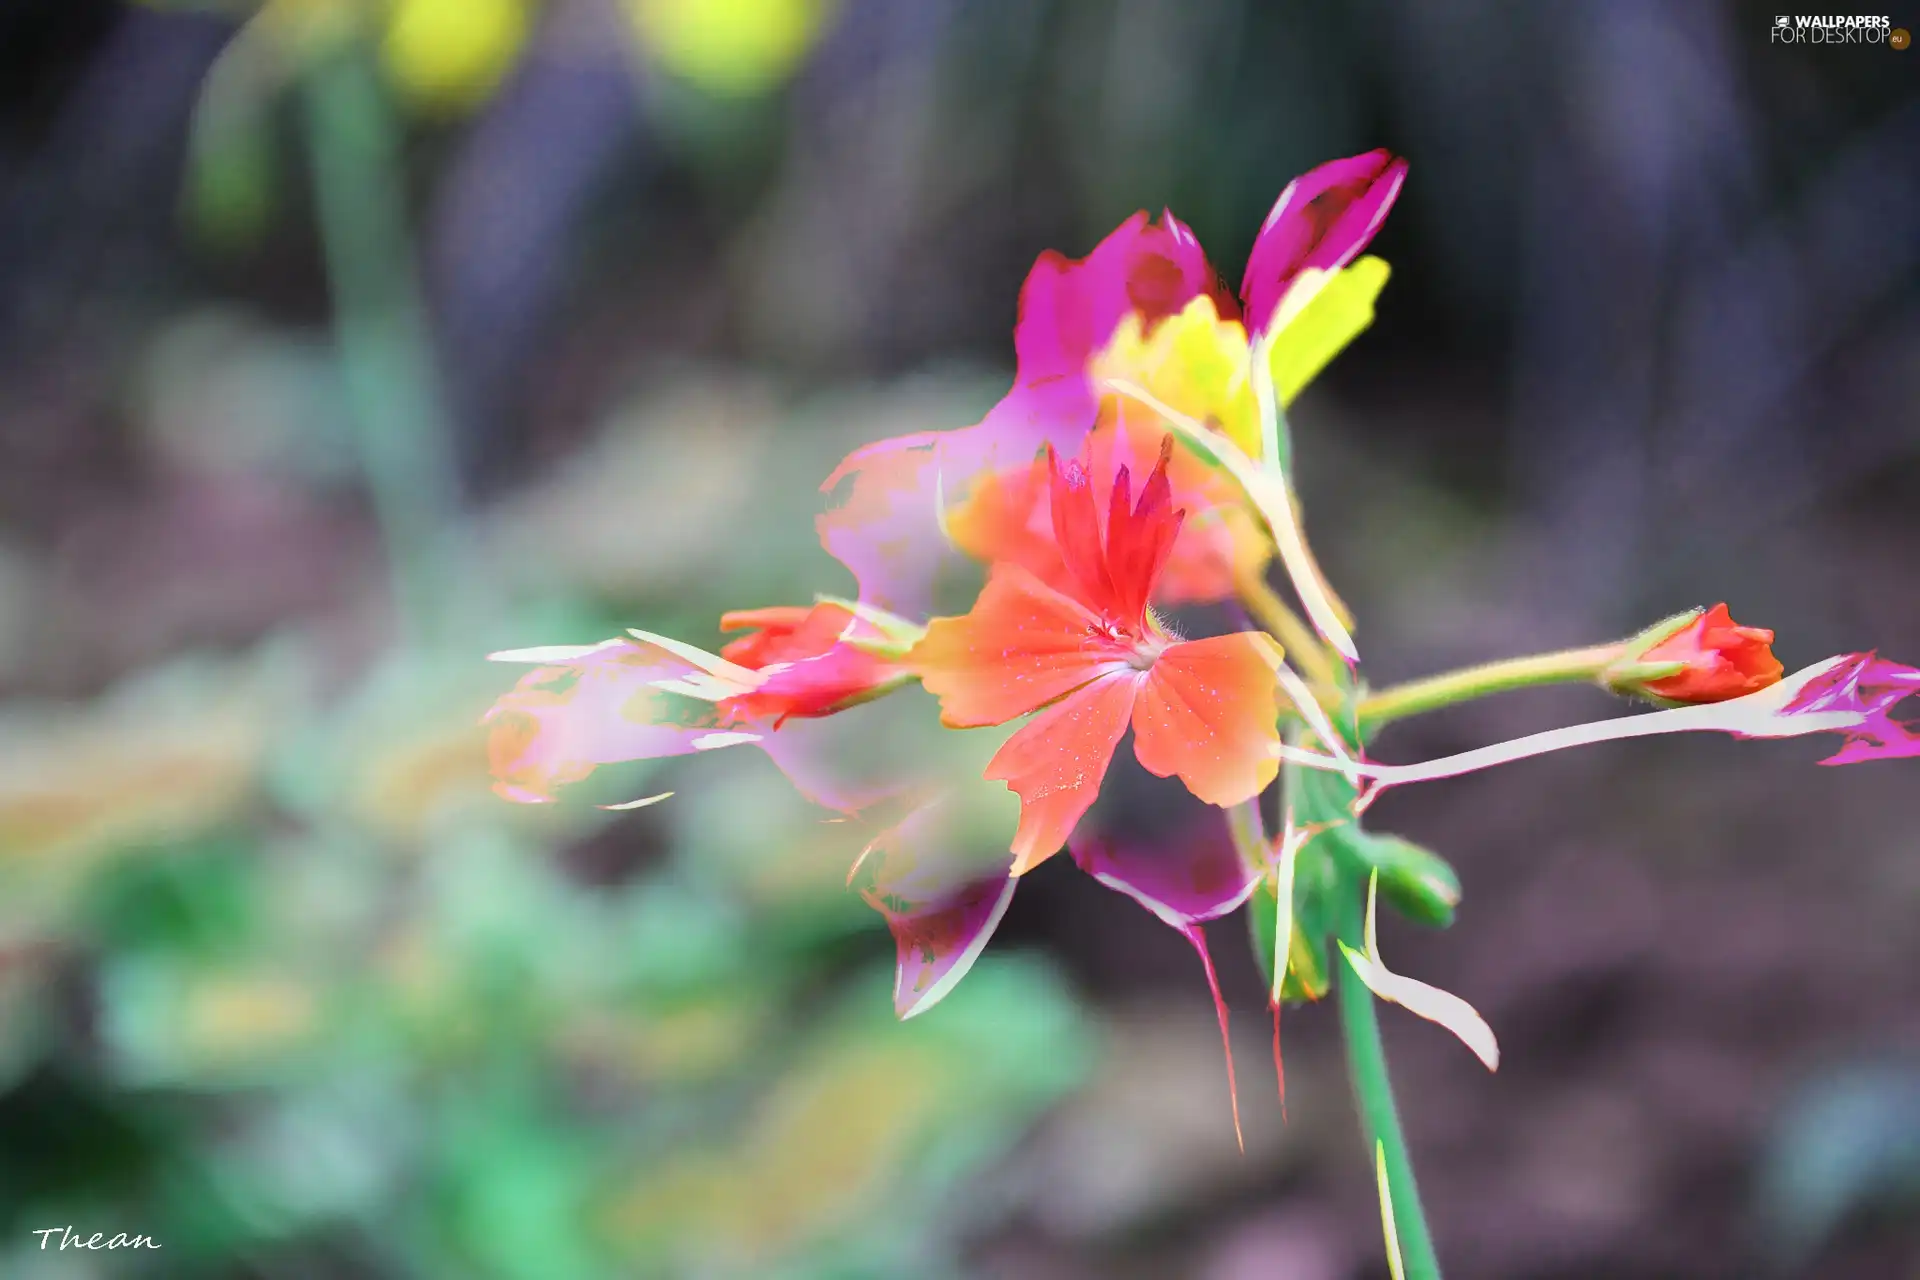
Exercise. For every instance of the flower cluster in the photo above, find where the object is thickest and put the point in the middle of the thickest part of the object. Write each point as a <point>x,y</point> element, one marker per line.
<point>1140,462</point>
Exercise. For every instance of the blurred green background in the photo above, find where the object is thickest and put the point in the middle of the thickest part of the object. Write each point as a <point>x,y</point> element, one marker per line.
<point>341,343</point>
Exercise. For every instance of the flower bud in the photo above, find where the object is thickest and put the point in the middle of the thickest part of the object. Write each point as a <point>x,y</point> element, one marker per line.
<point>1699,656</point>
<point>1415,881</point>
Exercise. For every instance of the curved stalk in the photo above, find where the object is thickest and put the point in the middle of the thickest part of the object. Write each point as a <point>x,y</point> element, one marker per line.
<point>1296,638</point>
<point>1567,666</point>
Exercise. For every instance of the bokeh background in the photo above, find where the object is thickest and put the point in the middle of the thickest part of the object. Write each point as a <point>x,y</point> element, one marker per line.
<point>341,343</point>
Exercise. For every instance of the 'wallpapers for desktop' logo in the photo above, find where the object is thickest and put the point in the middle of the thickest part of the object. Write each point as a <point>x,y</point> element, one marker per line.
<point>1807,28</point>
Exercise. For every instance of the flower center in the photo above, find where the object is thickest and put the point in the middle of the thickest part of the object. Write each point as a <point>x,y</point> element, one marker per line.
<point>1146,651</point>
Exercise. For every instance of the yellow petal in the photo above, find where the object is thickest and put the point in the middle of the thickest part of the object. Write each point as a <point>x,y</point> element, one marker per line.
<point>1193,360</point>
<point>1320,315</point>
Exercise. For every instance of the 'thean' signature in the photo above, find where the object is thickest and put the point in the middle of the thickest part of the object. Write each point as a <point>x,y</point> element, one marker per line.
<point>98,1240</point>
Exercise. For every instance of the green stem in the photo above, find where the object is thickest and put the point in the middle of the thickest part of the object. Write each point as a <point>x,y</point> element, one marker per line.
<point>401,433</point>
<point>1379,1116</point>
<point>1430,694</point>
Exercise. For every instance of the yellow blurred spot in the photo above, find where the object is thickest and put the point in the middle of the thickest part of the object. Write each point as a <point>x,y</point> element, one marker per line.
<point>811,1159</point>
<point>401,783</point>
<point>231,1018</point>
<point>451,54</point>
<point>686,1044</point>
<point>730,48</point>
<point>145,765</point>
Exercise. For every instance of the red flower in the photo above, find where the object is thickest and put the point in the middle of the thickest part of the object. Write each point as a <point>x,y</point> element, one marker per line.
<point>808,660</point>
<point>1090,659</point>
<point>1006,516</point>
<point>1723,660</point>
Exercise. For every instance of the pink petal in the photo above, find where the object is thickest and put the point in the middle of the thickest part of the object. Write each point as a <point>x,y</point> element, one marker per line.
<point>1323,219</point>
<point>597,706</point>
<point>1200,880</point>
<point>941,908</point>
<point>1866,685</point>
<point>818,757</point>
<point>648,699</point>
<point>1203,881</point>
<point>1069,309</point>
<point>884,520</point>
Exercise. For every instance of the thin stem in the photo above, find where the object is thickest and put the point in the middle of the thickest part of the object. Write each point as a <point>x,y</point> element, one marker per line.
<point>1303,647</point>
<point>1430,694</point>
<point>1379,1116</point>
<point>401,432</point>
<point>1276,442</point>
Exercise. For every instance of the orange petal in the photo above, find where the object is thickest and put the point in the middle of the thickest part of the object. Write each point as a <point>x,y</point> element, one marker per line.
<point>1022,645</point>
<point>1006,517</point>
<point>1209,712</point>
<point>1056,761</point>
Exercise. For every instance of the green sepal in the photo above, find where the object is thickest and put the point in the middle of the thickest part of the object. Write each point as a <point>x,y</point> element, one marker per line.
<point>1414,880</point>
<point>1308,971</point>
